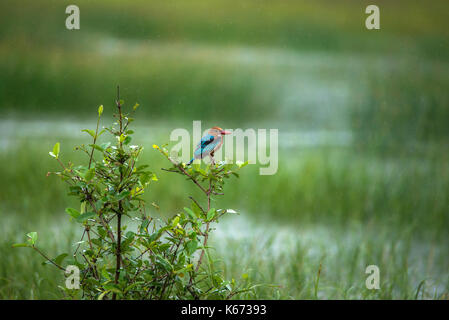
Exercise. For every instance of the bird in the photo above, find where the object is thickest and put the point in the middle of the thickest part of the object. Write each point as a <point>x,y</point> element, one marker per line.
<point>210,143</point>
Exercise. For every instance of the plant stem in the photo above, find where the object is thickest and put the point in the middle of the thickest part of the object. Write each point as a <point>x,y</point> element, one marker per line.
<point>94,260</point>
<point>317,281</point>
<point>206,234</point>
<point>188,175</point>
<point>95,141</point>
<point>48,259</point>
<point>199,206</point>
<point>120,211</point>
<point>118,252</point>
<point>104,224</point>
<point>119,107</point>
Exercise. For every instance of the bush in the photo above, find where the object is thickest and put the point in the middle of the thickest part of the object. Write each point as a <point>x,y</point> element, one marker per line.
<point>157,259</point>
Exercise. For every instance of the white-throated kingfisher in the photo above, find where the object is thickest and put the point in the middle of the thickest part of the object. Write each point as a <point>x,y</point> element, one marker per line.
<point>210,143</point>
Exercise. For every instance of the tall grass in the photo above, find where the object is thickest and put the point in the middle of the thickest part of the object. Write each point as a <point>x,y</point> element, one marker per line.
<point>44,67</point>
<point>300,66</point>
<point>330,263</point>
<point>334,185</point>
<point>403,108</point>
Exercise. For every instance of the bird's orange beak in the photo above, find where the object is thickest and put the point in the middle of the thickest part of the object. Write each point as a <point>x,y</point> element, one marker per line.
<point>223,132</point>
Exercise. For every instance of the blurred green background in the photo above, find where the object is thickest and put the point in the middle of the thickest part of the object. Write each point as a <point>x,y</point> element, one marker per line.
<point>363,132</point>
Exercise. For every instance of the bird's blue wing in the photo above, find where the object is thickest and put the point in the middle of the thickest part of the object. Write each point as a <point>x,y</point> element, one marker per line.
<point>206,145</point>
<point>211,146</point>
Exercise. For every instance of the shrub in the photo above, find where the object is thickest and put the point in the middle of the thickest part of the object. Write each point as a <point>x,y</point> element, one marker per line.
<point>156,258</point>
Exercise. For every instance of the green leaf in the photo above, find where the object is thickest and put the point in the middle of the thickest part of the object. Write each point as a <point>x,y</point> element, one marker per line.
<point>97,242</point>
<point>127,140</point>
<point>90,132</point>
<point>58,260</point>
<point>96,147</point>
<point>105,145</point>
<point>191,246</point>
<point>136,106</point>
<point>175,221</point>
<point>190,213</point>
<point>55,152</point>
<point>196,209</point>
<point>123,195</point>
<point>196,166</point>
<point>83,217</point>
<point>144,225</point>
<point>113,288</point>
<point>101,296</point>
<point>100,110</point>
<point>56,149</point>
<point>89,174</point>
<point>130,235</point>
<point>154,236</point>
<point>211,214</point>
<point>18,245</point>
<point>105,274</point>
<point>164,263</point>
<point>241,164</point>
<point>72,212</point>
<point>32,237</point>
<point>83,207</point>
<point>154,204</point>
<point>144,178</point>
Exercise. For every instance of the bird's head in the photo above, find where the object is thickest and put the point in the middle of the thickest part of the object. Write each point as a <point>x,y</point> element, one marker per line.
<point>217,131</point>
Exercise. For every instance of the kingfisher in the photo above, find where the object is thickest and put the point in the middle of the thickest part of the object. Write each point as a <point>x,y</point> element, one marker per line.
<point>210,143</point>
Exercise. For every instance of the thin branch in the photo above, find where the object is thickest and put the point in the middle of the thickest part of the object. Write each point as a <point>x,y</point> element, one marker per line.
<point>197,203</point>
<point>104,224</point>
<point>79,244</point>
<point>118,253</point>
<point>188,175</point>
<point>48,259</point>
<point>206,233</point>
<point>95,141</point>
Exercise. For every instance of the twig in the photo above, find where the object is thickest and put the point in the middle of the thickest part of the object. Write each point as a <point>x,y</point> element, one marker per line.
<point>188,175</point>
<point>104,224</point>
<point>206,233</point>
<point>119,214</point>
<point>48,259</point>
<point>79,244</point>
<point>95,141</point>
<point>197,203</point>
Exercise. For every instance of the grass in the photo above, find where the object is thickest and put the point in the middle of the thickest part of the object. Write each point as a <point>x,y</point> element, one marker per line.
<point>329,263</point>
<point>336,185</point>
<point>342,216</point>
<point>182,58</point>
<point>376,196</point>
<point>284,258</point>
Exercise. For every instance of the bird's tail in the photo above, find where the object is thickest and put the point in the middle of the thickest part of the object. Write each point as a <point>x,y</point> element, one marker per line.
<point>190,162</point>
